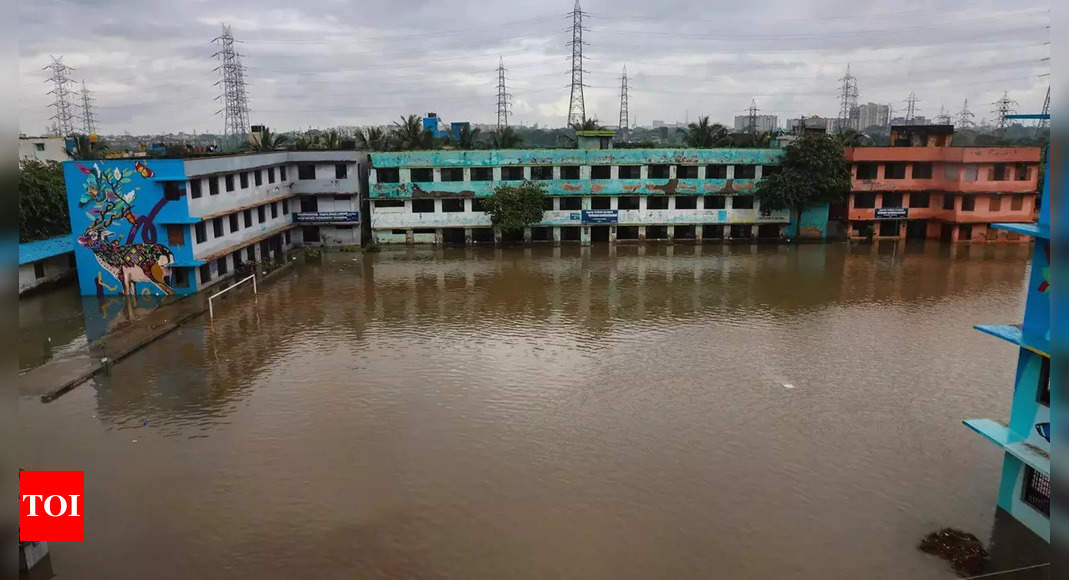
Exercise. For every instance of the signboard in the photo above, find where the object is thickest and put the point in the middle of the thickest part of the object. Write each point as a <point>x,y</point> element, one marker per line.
<point>892,213</point>
<point>575,216</point>
<point>600,216</point>
<point>326,216</point>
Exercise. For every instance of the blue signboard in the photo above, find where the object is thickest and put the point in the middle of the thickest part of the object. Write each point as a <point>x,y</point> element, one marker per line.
<point>601,216</point>
<point>326,216</point>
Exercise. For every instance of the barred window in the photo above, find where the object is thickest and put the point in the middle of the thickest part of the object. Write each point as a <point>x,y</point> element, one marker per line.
<point>1036,490</point>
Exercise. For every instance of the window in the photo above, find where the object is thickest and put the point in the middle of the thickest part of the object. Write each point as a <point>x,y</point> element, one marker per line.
<point>571,203</point>
<point>234,223</point>
<point>270,174</point>
<point>629,171</point>
<point>274,210</point>
<point>658,202</point>
<point>542,172</point>
<point>39,146</point>
<point>950,172</point>
<point>922,171</point>
<point>968,202</point>
<point>205,273</point>
<point>686,202</point>
<point>261,214</point>
<point>742,202</point>
<point>716,171</point>
<point>282,172</point>
<point>715,202</point>
<point>452,174</point>
<point>217,227</point>
<point>600,203</point>
<point>422,174</point>
<point>286,237</point>
<point>999,172</point>
<point>547,203</point>
<point>213,185</point>
<point>342,197</point>
<point>994,203</point>
<point>867,170</point>
<point>919,199</point>
<point>1043,396</point>
<point>389,203</point>
<point>341,171</point>
<point>286,207</point>
<point>236,256</point>
<point>258,177</point>
<point>1022,172</point>
<point>657,172</point>
<point>512,173</point>
<point>172,190</point>
<point>687,171</point>
<point>220,266</point>
<point>201,232</point>
<point>1016,202</point>
<point>971,172</point>
<point>244,179</point>
<point>864,200</point>
<point>627,202</point>
<point>38,270</point>
<point>892,200</point>
<point>769,170</point>
<point>569,172</point>
<point>194,188</point>
<point>422,206</point>
<point>600,171</point>
<point>250,253</point>
<point>181,277</point>
<point>382,174</point>
<point>176,235</point>
<point>1036,490</point>
<point>894,171</point>
<point>745,171</point>
<point>248,218</point>
<point>309,203</point>
<point>948,201</point>
<point>480,174</point>
<point>477,205</point>
<point>452,205</point>
<point>229,180</point>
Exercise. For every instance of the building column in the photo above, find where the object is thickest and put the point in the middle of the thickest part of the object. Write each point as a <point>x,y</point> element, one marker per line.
<point>642,233</point>
<point>527,235</point>
<point>409,238</point>
<point>439,237</point>
<point>699,231</point>
<point>467,236</point>
<point>584,235</point>
<point>754,230</point>
<point>671,231</point>
<point>726,232</point>
<point>556,235</point>
<point>497,236</point>
<point>612,234</point>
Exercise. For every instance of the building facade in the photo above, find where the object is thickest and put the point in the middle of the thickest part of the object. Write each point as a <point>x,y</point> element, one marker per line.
<point>922,187</point>
<point>1025,488</point>
<point>43,149</point>
<point>178,226</point>
<point>44,262</point>
<point>765,123</point>
<point>592,195</point>
<point>872,115</point>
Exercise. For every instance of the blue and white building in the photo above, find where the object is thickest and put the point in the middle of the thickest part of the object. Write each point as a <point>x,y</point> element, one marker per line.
<point>44,262</point>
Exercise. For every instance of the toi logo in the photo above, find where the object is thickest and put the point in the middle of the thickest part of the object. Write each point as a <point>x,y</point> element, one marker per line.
<point>51,506</point>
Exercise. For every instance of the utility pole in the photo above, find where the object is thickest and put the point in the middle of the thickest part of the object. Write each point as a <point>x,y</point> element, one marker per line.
<point>503,97</point>
<point>965,117</point>
<point>624,114</point>
<point>847,98</point>
<point>235,109</point>
<point>1004,106</point>
<point>911,107</point>
<point>59,76</point>
<point>576,107</point>
<point>88,119</point>
<point>751,122</point>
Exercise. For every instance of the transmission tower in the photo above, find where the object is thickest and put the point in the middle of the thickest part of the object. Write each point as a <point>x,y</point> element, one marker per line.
<point>504,99</point>
<point>943,118</point>
<point>847,98</point>
<point>965,116</point>
<point>911,107</point>
<point>235,109</point>
<point>1004,106</point>
<point>576,108</point>
<point>751,121</point>
<point>59,76</point>
<point>1046,110</point>
<point>89,125</point>
<point>625,117</point>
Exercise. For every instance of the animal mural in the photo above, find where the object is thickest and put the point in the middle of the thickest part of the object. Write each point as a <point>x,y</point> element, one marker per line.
<point>109,207</point>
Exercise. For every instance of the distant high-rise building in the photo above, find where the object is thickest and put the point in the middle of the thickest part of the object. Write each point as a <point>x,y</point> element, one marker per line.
<point>872,114</point>
<point>765,123</point>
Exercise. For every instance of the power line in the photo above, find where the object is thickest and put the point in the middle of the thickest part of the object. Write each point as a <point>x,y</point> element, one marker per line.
<point>751,125</point>
<point>88,119</point>
<point>625,121</point>
<point>576,106</point>
<point>911,107</point>
<point>235,102</point>
<point>503,97</point>
<point>847,98</point>
<point>58,75</point>
<point>1004,106</point>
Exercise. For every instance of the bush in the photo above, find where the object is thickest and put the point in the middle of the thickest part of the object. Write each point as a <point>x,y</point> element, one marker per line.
<point>42,201</point>
<point>514,207</point>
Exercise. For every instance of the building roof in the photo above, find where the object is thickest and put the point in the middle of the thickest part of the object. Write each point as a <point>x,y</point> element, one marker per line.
<point>31,252</point>
<point>934,129</point>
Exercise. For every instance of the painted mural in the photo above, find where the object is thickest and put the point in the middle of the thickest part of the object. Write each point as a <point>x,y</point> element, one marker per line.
<point>122,241</point>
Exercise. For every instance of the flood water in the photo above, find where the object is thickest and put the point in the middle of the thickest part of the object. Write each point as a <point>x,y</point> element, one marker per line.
<point>658,412</point>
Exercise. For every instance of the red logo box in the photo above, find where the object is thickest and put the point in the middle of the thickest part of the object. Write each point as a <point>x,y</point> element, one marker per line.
<point>52,506</point>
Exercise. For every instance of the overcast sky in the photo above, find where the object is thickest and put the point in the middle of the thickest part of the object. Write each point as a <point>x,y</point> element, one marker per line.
<point>324,63</point>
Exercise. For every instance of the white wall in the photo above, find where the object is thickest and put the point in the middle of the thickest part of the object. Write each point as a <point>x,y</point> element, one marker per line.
<point>56,268</point>
<point>55,148</point>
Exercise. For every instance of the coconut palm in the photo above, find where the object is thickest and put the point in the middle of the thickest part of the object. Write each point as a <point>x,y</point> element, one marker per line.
<point>704,134</point>
<point>330,140</point>
<point>587,125</point>
<point>303,142</point>
<point>269,141</point>
<point>467,136</point>
<point>373,139</point>
<point>409,134</point>
<point>506,138</point>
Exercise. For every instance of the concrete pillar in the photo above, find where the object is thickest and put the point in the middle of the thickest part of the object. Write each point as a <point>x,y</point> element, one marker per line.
<point>759,171</point>
<point>495,173</point>
<point>641,203</point>
<point>439,237</point>
<point>730,172</point>
<point>584,172</point>
<point>467,236</point>
<point>672,200</point>
<point>699,231</point>
<point>671,232</point>
<point>586,202</point>
<point>612,234</point>
<point>729,202</point>
<point>671,171</point>
<point>556,235</point>
<point>701,171</point>
<point>614,203</point>
<point>467,174</point>
<point>643,171</point>
<point>614,172</point>
<point>436,173</point>
<point>409,239</point>
<point>527,235</point>
<point>584,235</point>
<point>727,231</point>
<point>556,201</point>
<point>753,231</point>
<point>642,233</point>
<point>497,236</point>
<point>556,172</point>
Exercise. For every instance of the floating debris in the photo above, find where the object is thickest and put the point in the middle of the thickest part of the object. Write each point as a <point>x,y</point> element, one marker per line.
<point>788,386</point>
<point>963,550</point>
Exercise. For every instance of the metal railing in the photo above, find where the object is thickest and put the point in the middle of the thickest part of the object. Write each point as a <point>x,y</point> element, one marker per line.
<point>211,308</point>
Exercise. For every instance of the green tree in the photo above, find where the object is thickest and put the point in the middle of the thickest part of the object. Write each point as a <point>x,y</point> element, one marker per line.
<point>467,136</point>
<point>704,134</point>
<point>410,135</point>
<point>85,149</point>
<point>269,141</point>
<point>303,142</point>
<point>587,125</point>
<point>373,139</point>
<point>813,171</point>
<point>514,207</point>
<point>330,140</point>
<point>42,201</point>
<point>506,138</point>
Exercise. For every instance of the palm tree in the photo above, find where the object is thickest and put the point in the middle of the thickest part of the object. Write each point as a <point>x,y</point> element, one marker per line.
<point>705,135</point>
<point>506,138</point>
<point>467,136</point>
<point>330,140</point>
<point>373,139</point>
<point>85,149</point>
<point>303,142</point>
<point>269,141</point>
<point>853,138</point>
<point>587,125</point>
<point>409,134</point>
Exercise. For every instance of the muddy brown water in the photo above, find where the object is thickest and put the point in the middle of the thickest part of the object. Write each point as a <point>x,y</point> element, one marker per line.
<point>683,412</point>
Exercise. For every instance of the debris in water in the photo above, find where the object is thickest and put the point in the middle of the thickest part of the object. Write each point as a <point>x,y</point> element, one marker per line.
<point>963,550</point>
<point>788,386</point>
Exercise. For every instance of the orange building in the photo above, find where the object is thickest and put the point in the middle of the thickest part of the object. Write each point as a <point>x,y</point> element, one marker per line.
<point>922,187</point>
